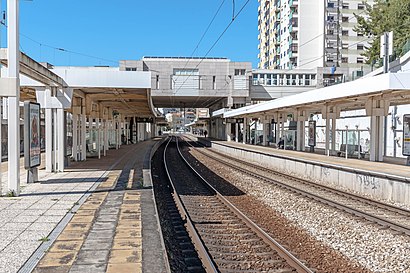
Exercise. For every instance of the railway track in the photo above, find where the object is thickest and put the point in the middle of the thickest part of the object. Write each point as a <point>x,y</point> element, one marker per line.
<point>385,215</point>
<point>226,240</point>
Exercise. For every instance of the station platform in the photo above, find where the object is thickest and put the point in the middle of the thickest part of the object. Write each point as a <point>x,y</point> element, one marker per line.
<point>381,180</point>
<point>97,216</point>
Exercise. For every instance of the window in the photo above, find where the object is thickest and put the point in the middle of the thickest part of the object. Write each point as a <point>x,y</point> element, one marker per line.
<point>345,60</point>
<point>360,34</point>
<point>330,5</point>
<point>345,46</point>
<point>360,47</point>
<point>157,82</point>
<point>345,33</point>
<point>360,6</point>
<point>345,6</point>
<point>186,72</point>
<point>239,72</point>
<point>130,69</point>
<point>214,82</point>
<point>345,19</point>
<point>359,60</point>
<point>268,79</point>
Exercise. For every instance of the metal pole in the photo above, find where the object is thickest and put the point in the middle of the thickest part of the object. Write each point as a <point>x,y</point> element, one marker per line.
<point>347,137</point>
<point>13,56</point>
<point>386,53</point>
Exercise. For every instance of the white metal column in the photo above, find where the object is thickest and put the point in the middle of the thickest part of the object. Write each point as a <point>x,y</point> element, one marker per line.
<point>60,139</point>
<point>300,139</point>
<point>333,136</point>
<point>245,130</point>
<point>265,133</point>
<point>97,121</point>
<point>228,131</point>
<point>83,137</point>
<point>236,132</point>
<point>376,138</point>
<point>327,136</point>
<point>75,136</point>
<point>49,140</point>
<point>105,137</point>
<point>13,56</point>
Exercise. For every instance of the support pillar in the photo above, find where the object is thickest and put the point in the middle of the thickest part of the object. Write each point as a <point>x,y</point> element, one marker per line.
<point>236,132</point>
<point>60,136</point>
<point>75,136</point>
<point>13,56</point>
<point>83,140</point>
<point>105,137</point>
<point>228,131</point>
<point>245,130</point>
<point>377,109</point>
<point>327,137</point>
<point>333,147</point>
<point>98,137</point>
<point>300,138</point>
<point>376,138</point>
<point>265,133</point>
<point>49,140</point>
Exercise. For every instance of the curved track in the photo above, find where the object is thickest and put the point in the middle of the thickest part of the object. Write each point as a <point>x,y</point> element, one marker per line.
<point>383,214</point>
<point>226,240</point>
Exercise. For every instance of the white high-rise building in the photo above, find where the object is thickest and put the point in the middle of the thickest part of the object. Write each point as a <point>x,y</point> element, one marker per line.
<point>311,33</point>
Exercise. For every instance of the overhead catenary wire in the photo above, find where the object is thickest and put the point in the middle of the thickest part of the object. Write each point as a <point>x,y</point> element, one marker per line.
<point>318,58</point>
<point>2,22</point>
<point>214,44</point>
<point>201,39</point>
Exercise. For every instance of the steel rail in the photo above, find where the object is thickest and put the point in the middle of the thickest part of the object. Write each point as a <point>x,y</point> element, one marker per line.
<point>206,259</point>
<point>282,252</point>
<point>383,222</point>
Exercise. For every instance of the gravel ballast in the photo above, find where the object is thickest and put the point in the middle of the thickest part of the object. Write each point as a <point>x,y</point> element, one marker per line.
<point>329,240</point>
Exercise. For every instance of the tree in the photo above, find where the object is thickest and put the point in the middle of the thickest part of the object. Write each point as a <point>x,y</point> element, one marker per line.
<point>384,16</point>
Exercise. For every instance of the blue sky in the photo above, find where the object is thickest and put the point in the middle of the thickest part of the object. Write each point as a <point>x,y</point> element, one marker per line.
<point>130,29</point>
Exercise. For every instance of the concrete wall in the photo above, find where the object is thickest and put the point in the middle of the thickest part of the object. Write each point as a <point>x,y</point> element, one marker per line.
<point>383,186</point>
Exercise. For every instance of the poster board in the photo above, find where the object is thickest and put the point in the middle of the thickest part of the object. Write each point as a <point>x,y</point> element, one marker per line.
<point>32,145</point>
<point>406,134</point>
<point>312,133</point>
<point>69,134</point>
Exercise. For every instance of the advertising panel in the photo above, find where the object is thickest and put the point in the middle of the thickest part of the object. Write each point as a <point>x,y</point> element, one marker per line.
<point>406,135</point>
<point>69,134</point>
<point>32,145</point>
<point>312,133</point>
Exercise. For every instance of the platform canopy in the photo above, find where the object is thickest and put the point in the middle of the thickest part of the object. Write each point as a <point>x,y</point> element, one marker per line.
<point>125,92</point>
<point>392,87</point>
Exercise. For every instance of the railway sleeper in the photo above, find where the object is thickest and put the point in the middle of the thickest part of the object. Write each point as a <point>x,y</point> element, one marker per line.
<point>186,245</point>
<point>196,269</point>
<point>237,228</point>
<point>227,234</point>
<point>220,219</point>
<point>269,264</point>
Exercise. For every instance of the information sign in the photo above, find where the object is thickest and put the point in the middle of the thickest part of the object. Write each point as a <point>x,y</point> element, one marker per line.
<point>312,133</point>
<point>406,135</point>
<point>32,156</point>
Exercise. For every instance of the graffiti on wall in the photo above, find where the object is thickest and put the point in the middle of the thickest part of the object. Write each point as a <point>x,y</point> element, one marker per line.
<point>368,182</point>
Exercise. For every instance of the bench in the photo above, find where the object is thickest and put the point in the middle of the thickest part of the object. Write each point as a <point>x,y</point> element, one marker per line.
<point>352,150</point>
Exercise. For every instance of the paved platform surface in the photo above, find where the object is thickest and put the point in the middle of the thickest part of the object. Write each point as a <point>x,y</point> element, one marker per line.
<point>357,164</point>
<point>94,217</point>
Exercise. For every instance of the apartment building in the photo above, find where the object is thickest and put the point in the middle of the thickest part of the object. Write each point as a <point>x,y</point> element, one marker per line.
<point>310,33</point>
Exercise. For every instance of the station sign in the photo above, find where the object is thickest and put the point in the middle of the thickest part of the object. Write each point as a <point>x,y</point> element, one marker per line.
<point>406,135</point>
<point>312,133</point>
<point>32,145</point>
